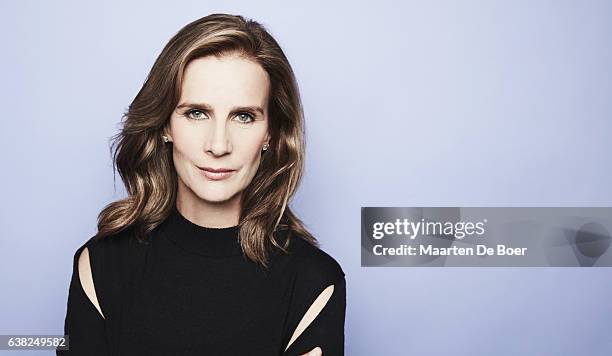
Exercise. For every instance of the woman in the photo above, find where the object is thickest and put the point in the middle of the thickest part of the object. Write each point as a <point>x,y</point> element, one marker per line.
<point>204,256</point>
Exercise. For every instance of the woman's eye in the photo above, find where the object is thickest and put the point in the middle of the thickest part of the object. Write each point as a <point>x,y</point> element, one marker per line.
<point>249,118</point>
<point>195,117</point>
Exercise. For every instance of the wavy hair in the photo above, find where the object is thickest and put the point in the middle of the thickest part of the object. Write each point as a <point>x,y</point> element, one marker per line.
<point>145,163</point>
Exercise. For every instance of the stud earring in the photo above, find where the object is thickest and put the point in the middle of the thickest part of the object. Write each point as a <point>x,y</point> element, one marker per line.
<point>265,146</point>
<point>165,138</point>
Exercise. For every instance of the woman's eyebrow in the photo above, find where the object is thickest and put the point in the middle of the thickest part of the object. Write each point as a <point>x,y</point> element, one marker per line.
<point>234,110</point>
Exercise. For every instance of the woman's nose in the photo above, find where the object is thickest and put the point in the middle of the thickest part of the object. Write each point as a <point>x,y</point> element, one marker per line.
<point>218,139</point>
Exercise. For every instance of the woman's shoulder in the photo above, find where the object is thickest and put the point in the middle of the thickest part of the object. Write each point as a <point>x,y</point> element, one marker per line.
<point>312,263</point>
<point>103,270</point>
<point>110,250</point>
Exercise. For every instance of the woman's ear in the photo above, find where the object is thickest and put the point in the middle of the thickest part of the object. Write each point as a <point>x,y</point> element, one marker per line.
<point>267,141</point>
<point>166,135</point>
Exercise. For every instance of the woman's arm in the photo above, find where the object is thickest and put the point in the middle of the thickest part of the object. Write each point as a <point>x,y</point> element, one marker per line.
<point>84,324</point>
<point>326,330</point>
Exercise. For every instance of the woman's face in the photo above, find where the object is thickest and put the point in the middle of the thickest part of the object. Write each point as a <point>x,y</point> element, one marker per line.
<point>221,121</point>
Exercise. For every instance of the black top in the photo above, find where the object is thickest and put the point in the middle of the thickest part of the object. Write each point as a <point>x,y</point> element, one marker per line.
<point>190,291</point>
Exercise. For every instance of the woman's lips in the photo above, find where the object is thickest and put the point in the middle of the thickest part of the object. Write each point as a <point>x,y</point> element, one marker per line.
<point>222,174</point>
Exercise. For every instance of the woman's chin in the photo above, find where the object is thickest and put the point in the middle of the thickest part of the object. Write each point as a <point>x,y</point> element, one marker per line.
<point>216,197</point>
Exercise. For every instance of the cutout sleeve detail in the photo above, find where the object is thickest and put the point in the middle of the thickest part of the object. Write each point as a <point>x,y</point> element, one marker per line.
<point>322,324</point>
<point>83,324</point>
<point>86,279</point>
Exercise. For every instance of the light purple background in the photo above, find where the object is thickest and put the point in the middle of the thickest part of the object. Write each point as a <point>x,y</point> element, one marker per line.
<point>428,103</point>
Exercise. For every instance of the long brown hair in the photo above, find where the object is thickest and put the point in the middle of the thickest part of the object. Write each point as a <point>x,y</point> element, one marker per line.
<point>145,163</point>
